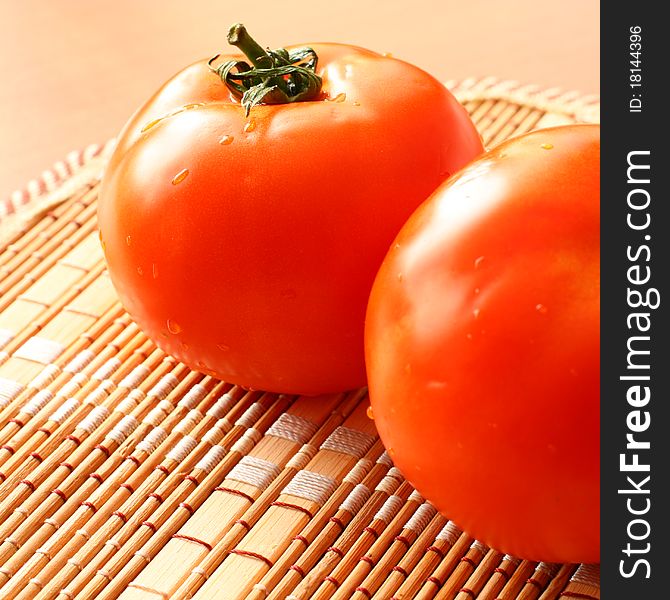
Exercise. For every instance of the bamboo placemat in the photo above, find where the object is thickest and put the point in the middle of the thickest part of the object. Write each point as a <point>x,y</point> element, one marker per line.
<point>125,474</point>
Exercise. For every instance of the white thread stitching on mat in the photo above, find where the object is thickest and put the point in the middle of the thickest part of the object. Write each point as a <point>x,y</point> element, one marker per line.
<point>549,568</point>
<point>587,574</point>
<point>41,350</point>
<point>213,435</point>
<point>64,411</point>
<point>357,497</point>
<point>311,486</point>
<point>193,396</point>
<point>37,402</point>
<point>385,460</point>
<point>189,421</point>
<point>251,415</point>
<point>211,459</point>
<point>449,533</point>
<point>94,419</point>
<point>158,413</point>
<point>389,483</point>
<point>130,402</point>
<point>389,509</point>
<point>135,377</point>
<point>153,439</point>
<point>415,497</point>
<point>301,459</point>
<point>123,429</point>
<point>248,440</point>
<point>45,377</point>
<point>80,361</point>
<point>107,369</point>
<point>221,407</point>
<point>477,545</point>
<point>9,390</point>
<point>182,449</point>
<point>292,428</point>
<point>420,519</point>
<point>254,471</point>
<point>349,441</point>
<point>73,386</point>
<point>359,471</point>
<point>165,385</point>
<point>512,559</point>
<point>99,394</point>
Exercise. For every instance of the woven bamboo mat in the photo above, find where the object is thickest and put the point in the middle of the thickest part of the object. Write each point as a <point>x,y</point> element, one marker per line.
<point>126,475</point>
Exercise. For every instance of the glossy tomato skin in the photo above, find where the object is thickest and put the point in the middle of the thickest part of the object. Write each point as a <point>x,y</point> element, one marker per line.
<point>246,246</point>
<point>482,347</point>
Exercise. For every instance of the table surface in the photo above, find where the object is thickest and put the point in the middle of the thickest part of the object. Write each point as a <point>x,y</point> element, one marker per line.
<point>72,72</point>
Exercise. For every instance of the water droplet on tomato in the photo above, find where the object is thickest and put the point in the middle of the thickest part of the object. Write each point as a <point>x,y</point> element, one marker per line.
<point>399,276</point>
<point>356,103</point>
<point>475,313</point>
<point>478,262</point>
<point>341,97</point>
<point>140,271</point>
<point>387,55</point>
<point>154,270</point>
<point>369,413</point>
<point>179,177</point>
<point>249,126</point>
<point>547,146</point>
<point>477,290</point>
<point>151,124</point>
<point>226,140</point>
<point>391,451</point>
<point>128,240</point>
<point>468,335</point>
<point>184,346</point>
<point>223,347</point>
<point>173,327</point>
<point>541,308</point>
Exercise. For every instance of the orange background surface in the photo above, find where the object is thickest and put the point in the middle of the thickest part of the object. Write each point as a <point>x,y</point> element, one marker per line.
<point>72,72</point>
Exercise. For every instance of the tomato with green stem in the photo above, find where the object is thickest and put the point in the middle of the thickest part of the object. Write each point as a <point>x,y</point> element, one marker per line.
<point>248,205</point>
<point>483,347</point>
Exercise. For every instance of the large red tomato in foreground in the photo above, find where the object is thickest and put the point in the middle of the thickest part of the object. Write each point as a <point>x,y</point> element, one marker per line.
<point>482,347</point>
<point>246,246</point>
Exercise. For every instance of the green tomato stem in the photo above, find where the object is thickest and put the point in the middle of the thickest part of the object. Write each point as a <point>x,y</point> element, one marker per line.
<point>274,76</point>
<point>239,36</point>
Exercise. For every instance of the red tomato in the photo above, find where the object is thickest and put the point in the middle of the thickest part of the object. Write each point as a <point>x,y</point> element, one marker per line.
<point>246,246</point>
<point>482,347</point>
